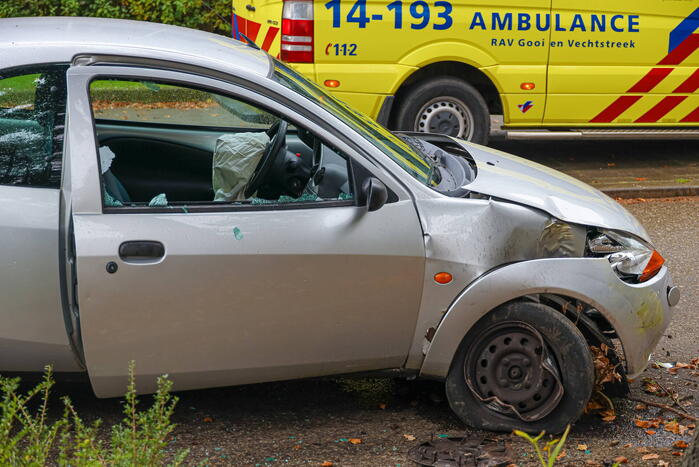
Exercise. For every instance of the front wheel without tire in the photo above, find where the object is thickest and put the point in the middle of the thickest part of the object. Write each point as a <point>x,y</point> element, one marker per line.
<point>523,366</point>
<point>445,105</point>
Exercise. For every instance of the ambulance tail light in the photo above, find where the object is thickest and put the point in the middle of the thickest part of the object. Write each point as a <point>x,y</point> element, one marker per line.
<point>297,31</point>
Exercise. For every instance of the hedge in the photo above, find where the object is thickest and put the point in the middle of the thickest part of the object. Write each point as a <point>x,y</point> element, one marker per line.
<point>207,15</point>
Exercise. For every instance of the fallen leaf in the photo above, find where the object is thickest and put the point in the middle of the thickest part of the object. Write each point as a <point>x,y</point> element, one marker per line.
<point>297,447</point>
<point>621,460</point>
<point>677,453</point>
<point>326,464</point>
<point>673,427</point>
<point>611,164</point>
<point>643,450</point>
<point>594,405</point>
<point>650,432</point>
<point>561,455</point>
<point>648,457</point>
<point>627,445</point>
<point>382,406</point>
<point>614,443</point>
<point>683,180</point>
<point>640,407</point>
<point>582,447</point>
<point>208,420</point>
<point>409,437</point>
<point>662,463</point>
<point>355,441</point>
<point>647,423</point>
<point>641,179</point>
<point>680,444</point>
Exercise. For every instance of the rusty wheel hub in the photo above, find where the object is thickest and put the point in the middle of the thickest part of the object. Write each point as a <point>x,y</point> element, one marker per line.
<point>511,370</point>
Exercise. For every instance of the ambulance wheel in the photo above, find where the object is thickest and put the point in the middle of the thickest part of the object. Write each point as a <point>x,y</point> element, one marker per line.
<point>445,105</point>
<point>523,366</point>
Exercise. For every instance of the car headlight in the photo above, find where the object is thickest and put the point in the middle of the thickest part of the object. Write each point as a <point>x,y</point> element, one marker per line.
<point>633,260</point>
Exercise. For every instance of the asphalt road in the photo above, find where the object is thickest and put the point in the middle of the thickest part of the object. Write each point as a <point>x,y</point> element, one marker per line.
<point>311,422</point>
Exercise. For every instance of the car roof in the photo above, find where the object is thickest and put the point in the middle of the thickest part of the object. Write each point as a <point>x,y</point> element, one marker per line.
<point>26,41</point>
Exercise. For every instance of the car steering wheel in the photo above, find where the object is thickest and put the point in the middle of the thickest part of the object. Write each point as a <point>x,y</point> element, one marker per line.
<point>277,134</point>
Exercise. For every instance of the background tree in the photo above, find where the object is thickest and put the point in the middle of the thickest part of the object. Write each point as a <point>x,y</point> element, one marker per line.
<point>207,15</point>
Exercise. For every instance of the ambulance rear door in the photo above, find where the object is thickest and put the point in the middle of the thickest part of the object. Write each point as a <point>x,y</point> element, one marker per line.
<point>259,20</point>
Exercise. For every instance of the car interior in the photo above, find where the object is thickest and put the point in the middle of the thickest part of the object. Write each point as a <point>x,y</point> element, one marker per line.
<point>158,163</point>
<point>32,114</point>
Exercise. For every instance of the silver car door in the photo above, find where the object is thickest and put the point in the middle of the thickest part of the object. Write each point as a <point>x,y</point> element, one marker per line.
<point>34,332</point>
<point>229,295</point>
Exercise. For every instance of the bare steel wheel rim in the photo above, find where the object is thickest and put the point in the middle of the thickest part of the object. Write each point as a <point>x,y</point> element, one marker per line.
<point>511,369</point>
<point>445,115</point>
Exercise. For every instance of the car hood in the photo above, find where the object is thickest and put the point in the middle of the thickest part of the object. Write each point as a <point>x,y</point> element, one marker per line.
<point>516,179</point>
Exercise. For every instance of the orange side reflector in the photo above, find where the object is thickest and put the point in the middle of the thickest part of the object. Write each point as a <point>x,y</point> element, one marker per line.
<point>654,264</point>
<point>332,83</point>
<point>442,278</point>
<point>527,86</point>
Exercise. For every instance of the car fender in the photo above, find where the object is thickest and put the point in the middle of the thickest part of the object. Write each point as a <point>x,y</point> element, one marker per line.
<point>638,312</point>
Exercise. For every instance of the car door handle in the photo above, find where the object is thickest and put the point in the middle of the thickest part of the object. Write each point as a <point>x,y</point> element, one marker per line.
<point>141,251</point>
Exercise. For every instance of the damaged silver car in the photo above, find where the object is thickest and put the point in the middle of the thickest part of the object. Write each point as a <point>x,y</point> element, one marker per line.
<point>186,201</point>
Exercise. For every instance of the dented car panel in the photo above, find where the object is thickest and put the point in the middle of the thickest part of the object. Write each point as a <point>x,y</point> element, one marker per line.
<point>456,232</point>
<point>510,177</point>
<point>639,313</point>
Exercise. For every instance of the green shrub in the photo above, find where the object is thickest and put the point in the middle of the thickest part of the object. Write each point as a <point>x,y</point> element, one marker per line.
<point>551,449</point>
<point>207,15</point>
<point>28,438</point>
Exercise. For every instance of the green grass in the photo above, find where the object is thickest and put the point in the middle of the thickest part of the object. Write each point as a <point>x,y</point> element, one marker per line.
<point>20,90</point>
<point>26,84</point>
<point>19,83</point>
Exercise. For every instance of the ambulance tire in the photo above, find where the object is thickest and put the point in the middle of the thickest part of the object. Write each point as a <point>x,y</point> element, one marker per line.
<point>502,359</point>
<point>445,105</point>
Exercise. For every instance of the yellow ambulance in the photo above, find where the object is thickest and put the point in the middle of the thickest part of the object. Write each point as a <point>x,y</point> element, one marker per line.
<point>553,69</point>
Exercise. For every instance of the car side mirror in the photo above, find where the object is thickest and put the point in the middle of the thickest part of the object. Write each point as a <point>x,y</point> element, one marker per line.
<point>375,194</point>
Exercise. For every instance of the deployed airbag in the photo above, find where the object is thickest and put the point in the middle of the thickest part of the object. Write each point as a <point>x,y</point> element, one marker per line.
<point>235,158</point>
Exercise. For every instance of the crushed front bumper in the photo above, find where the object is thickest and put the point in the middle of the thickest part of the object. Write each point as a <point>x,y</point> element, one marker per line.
<point>639,313</point>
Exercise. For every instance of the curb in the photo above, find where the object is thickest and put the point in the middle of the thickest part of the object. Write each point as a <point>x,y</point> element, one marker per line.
<point>652,192</point>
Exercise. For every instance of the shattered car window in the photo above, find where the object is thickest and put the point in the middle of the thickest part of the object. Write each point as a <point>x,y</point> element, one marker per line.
<point>32,116</point>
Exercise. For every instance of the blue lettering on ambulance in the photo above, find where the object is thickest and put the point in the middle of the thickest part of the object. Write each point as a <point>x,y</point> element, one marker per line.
<point>577,23</point>
<point>599,23</point>
<point>501,23</point>
<point>558,23</point>
<point>546,26</point>
<point>524,22</point>
<point>612,23</point>
<point>633,23</point>
<point>544,22</point>
<point>477,21</point>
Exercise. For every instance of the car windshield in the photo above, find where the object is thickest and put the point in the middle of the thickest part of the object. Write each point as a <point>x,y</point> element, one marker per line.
<point>403,154</point>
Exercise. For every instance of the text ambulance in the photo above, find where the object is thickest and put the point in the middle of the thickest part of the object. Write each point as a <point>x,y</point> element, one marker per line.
<point>552,68</point>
